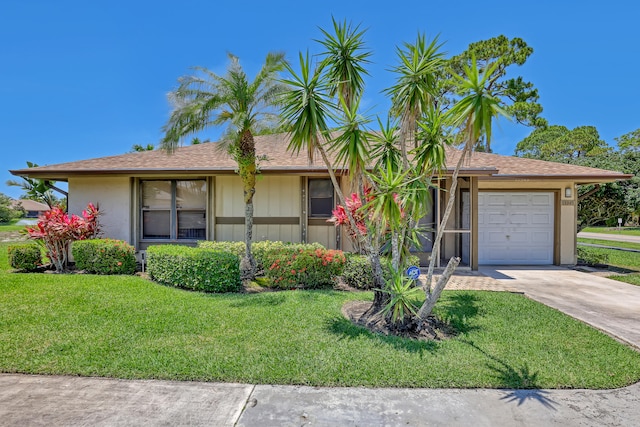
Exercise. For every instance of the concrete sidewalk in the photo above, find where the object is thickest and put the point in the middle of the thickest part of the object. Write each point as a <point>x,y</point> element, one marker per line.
<point>27,400</point>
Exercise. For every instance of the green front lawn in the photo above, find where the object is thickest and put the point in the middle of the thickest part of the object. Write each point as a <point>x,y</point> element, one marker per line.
<point>621,259</point>
<point>127,327</point>
<point>633,279</point>
<point>630,231</point>
<point>10,226</point>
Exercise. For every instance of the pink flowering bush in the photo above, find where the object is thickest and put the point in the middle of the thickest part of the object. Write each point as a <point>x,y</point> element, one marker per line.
<point>303,268</point>
<point>56,230</point>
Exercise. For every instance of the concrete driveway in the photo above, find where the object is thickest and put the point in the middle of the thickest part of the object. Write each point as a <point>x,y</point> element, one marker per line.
<point>606,304</point>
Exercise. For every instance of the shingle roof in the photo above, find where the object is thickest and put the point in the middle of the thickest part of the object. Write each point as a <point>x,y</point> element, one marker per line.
<point>30,205</point>
<point>208,158</point>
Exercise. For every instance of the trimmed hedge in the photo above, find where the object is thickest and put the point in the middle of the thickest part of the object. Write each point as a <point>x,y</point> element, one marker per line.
<point>198,269</point>
<point>264,248</point>
<point>104,256</point>
<point>25,256</point>
<point>236,248</point>
<point>292,267</point>
<point>259,249</point>
<point>358,273</point>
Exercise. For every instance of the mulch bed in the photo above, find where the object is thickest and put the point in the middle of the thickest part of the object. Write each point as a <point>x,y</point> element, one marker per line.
<point>433,329</point>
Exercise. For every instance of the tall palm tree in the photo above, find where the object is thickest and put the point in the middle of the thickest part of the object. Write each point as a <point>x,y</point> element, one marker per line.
<point>474,112</point>
<point>209,99</point>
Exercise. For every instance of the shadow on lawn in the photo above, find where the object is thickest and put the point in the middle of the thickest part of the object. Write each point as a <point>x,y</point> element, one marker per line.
<point>522,380</point>
<point>458,309</point>
<point>346,329</point>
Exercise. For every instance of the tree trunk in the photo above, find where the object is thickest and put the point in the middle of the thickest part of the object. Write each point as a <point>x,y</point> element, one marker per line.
<point>247,168</point>
<point>380,298</point>
<point>436,243</point>
<point>433,296</point>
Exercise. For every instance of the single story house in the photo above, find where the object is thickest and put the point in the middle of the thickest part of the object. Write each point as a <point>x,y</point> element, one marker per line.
<point>31,208</point>
<point>509,210</point>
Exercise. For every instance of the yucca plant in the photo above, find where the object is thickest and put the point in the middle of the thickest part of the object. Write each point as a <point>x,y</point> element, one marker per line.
<point>400,310</point>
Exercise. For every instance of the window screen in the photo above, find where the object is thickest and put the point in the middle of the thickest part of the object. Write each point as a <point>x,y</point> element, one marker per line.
<point>320,198</point>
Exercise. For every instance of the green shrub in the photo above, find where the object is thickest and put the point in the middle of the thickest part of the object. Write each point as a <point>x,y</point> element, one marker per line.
<point>236,248</point>
<point>358,273</point>
<point>263,248</point>
<point>591,256</point>
<point>104,256</point>
<point>293,267</point>
<point>25,256</point>
<point>198,269</point>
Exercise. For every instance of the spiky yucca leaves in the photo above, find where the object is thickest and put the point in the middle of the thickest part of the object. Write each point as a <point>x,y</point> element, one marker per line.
<point>306,107</point>
<point>400,310</point>
<point>245,107</point>
<point>344,60</point>
<point>415,88</point>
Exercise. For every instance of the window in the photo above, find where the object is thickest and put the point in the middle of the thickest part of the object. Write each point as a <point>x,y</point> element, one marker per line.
<point>174,209</point>
<point>320,198</point>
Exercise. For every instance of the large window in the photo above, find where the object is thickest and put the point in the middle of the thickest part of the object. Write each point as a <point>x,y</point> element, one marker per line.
<point>320,198</point>
<point>174,209</point>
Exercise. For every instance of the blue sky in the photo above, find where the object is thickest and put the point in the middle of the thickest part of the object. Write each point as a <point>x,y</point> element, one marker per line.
<point>84,79</point>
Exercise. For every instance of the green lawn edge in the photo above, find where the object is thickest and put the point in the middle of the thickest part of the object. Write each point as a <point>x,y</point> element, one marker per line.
<point>628,231</point>
<point>128,327</point>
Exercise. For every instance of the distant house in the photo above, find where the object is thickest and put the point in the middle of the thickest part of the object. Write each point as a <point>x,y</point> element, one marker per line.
<point>32,208</point>
<point>509,210</point>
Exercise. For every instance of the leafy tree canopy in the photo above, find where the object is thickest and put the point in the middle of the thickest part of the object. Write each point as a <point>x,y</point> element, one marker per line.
<point>629,141</point>
<point>559,144</point>
<point>518,97</point>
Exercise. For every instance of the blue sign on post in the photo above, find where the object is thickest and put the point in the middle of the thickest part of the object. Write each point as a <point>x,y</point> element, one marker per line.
<point>413,272</point>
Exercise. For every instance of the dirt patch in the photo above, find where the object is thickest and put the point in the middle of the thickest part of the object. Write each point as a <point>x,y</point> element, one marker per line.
<point>12,236</point>
<point>433,329</point>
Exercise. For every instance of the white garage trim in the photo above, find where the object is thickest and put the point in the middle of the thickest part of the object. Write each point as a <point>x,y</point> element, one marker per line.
<point>515,228</point>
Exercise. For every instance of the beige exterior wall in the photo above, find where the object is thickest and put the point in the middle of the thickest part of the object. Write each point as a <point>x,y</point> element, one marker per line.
<point>275,197</point>
<point>112,194</point>
<point>566,211</point>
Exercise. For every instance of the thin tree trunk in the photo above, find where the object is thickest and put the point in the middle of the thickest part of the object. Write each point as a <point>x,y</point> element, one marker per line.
<point>436,244</point>
<point>247,169</point>
<point>432,297</point>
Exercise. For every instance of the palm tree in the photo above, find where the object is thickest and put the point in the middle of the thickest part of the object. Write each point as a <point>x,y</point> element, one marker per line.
<point>475,113</point>
<point>209,99</point>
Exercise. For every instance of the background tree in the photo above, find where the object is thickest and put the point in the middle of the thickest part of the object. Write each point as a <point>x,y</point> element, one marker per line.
<point>7,213</point>
<point>518,97</point>
<point>559,144</point>
<point>600,204</point>
<point>245,107</point>
<point>629,141</point>
<point>40,190</point>
<point>137,148</point>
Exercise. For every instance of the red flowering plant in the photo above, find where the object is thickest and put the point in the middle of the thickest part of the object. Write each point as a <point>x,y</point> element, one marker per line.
<point>364,214</point>
<point>304,268</point>
<point>56,230</point>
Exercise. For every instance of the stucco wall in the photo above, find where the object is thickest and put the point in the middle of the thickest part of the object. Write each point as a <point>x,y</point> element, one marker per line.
<point>566,209</point>
<point>113,197</point>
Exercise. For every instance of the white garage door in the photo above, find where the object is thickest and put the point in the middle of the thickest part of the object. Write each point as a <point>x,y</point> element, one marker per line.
<point>515,228</point>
